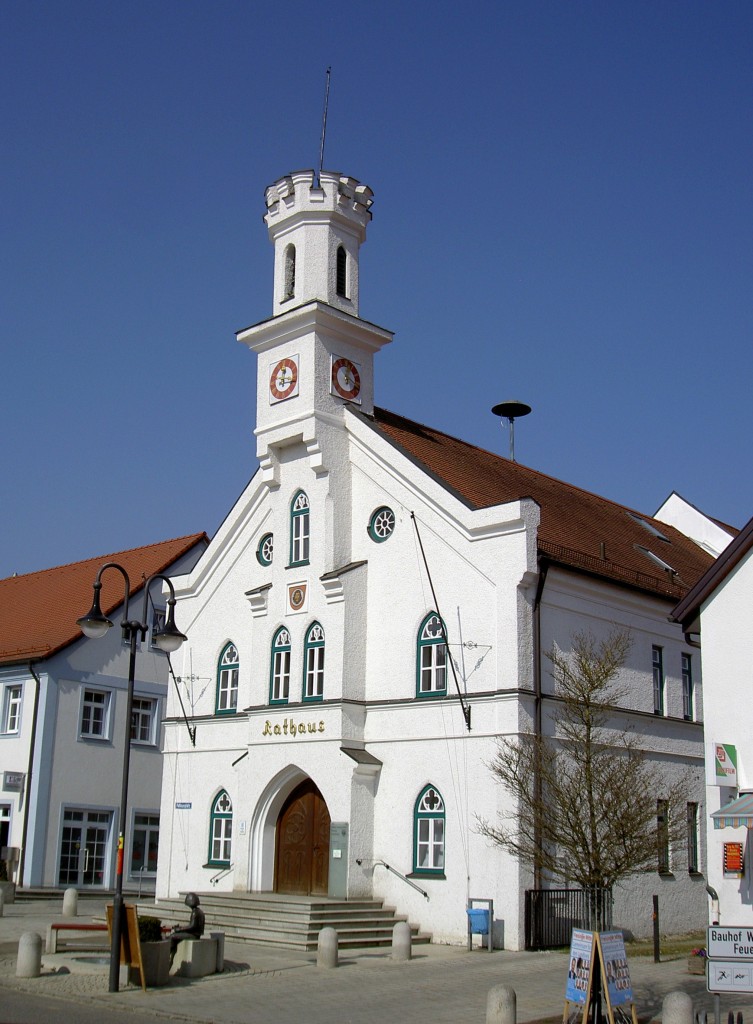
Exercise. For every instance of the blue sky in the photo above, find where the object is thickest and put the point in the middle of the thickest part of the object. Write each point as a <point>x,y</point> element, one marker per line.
<point>563,215</point>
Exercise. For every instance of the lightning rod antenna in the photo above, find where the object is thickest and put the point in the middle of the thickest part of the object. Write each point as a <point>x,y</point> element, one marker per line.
<point>324,128</point>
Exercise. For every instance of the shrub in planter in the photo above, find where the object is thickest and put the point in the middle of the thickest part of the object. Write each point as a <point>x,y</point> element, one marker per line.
<point>150,929</point>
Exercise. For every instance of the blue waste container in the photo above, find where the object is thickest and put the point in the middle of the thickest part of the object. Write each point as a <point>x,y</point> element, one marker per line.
<point>478,919</point>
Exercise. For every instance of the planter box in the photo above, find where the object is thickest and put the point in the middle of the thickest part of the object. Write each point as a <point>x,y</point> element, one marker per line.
<point>696,965</point>
<point>155,958</point>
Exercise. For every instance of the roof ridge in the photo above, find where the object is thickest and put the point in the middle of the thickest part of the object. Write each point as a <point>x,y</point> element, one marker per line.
<point>527,469</point>
<point>195,537</point>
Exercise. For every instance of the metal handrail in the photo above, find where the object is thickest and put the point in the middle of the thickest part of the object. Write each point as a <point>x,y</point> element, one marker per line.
<point>220,874</point>
<point>400,875</point>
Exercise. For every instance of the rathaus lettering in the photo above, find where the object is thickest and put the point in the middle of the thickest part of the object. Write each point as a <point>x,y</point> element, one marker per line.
<point>290,728</point>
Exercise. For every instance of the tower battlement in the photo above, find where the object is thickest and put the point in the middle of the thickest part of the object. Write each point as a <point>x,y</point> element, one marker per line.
<point>317,229</point>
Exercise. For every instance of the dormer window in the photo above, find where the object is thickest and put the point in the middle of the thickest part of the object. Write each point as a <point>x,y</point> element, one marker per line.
<point>289,272</point>
<point>342,275</point>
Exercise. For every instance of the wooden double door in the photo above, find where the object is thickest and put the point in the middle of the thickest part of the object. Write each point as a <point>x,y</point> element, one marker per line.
<point>302,843</point>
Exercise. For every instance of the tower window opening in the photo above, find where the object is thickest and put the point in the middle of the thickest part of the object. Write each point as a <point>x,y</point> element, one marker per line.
<point>290,272</point>
<point>342,266</point>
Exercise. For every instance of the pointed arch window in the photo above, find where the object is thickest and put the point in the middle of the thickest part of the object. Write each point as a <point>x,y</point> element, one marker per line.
<point>299,529</point>
<point>279,683</point>
<point>289,272</point>
<point>342,272</point>
<point>313,663</point>
<point>221,830</point>
<point>431,658</point>
<point>428,832</point>
<point>227,681</point>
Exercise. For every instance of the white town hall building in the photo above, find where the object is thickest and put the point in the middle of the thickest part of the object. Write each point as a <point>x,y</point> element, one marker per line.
<point>331,737</point>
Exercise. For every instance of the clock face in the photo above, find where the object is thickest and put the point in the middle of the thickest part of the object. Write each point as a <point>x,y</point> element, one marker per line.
<point>283,380</point>
<point>346,379</point>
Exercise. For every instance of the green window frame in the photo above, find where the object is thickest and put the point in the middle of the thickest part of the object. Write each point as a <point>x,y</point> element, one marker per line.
<point>313,663</point>
<point>228,666</point>
<point>279,669</point>
<point>431,658</point>
<point>429,832</point>
<point>221,831</point>
<point>265,550</point>
<point>381,524</point>
<point>300,523</point>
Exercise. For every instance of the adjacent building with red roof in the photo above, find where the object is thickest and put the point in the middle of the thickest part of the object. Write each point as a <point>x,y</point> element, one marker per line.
<point>63,721</point>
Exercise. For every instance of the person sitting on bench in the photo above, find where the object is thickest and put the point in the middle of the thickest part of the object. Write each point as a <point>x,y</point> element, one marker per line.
<point>194,929</point>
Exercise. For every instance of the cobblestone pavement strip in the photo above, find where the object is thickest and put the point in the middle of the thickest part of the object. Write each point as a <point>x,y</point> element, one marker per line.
<point>441,985</point>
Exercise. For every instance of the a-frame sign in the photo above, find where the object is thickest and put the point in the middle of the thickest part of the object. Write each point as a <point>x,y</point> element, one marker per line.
<point>598,980</point>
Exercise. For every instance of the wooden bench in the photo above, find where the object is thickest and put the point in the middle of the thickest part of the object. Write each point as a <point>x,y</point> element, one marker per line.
<point>54,934</point>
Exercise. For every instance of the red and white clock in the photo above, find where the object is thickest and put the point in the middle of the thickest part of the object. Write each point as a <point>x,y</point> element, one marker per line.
<point>283,379</point>
<point>346,379</point>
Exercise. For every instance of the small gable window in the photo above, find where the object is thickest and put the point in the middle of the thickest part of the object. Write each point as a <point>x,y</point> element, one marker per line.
<point>265,550</point>
<point>428,833</point>
<point>227,681</point>
<point>313,661</point>
<point>431,658</point>
<point>279,685</point>
<point>299,529</point>
<point>289,272</point>
<point>342,272</point>
<point>221,830</point>
<point>381,524</point>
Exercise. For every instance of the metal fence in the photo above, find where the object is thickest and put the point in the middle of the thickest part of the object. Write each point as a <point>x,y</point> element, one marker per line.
<point>551,914</point>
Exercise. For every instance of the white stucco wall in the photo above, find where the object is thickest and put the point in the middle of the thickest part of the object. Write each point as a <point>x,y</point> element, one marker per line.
<point>727,665</point>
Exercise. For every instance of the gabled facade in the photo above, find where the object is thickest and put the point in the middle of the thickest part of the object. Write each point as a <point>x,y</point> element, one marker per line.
<point>331,716</point>
<point>63,725</point>
<point>719,611</point>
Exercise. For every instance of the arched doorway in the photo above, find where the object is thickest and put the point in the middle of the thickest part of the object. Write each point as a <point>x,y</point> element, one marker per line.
<point>302,843</point>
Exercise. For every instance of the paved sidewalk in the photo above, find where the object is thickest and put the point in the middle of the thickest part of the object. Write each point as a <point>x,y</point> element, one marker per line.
<point>440,985</point>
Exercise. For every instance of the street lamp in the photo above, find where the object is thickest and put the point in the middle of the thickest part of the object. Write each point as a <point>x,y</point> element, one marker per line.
<point>94,625</point>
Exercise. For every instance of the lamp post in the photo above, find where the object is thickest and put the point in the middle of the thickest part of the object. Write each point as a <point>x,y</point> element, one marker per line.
<point>94,625</point>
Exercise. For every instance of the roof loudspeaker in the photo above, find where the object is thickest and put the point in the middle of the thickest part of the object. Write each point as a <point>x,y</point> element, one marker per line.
<point>511,411</point>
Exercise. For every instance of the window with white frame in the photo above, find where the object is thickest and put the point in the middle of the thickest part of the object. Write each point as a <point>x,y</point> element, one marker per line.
<point>227,681</point>
<point>428,832</point>
<point>692,835</point>
<point>144,845</point>
<point>279,684</point>
<point>657,662</point>
<point>12,708</point>
<point>313,661</point>
<point>158,624</point>
<point>143,720</point>
<point>299,529</point>
<point>221,830</point>
<point>662,836</point>
<point>687,687</point>
<point>431,668</point>
<point>95,714</point>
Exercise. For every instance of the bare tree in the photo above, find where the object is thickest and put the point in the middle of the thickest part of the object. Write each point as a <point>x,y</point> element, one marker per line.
<point>586,799</point>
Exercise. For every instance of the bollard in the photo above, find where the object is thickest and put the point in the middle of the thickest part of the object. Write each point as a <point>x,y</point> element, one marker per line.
<point>70,903</point>
<point>29,963</point>
<point>401,940</point>
<point>326,948</point>
<point>2,901</point>
<point>677,1008</point>
<point>501,1005</point>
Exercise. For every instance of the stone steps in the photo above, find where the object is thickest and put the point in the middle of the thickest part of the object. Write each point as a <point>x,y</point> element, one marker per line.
<point>291,921</point>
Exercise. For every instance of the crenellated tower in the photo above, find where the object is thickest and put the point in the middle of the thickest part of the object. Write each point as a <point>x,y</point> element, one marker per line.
<point>315,355</point>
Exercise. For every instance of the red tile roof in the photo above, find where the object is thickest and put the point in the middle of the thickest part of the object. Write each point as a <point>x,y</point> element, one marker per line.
<point>574,523</point>
<point>38,611</point>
